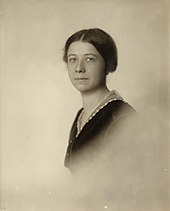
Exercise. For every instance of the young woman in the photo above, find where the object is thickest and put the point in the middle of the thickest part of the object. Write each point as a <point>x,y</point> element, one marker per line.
<point>91,55</point>
<point>109,152</point>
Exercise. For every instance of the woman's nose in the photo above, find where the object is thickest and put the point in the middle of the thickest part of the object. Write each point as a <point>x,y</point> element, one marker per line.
<point>80,67</point>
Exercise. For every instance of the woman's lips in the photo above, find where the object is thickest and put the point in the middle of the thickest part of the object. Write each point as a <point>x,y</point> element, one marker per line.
<point>81,79</point>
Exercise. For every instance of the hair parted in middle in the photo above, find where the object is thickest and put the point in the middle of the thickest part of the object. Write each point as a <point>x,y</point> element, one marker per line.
<point>102,41</point>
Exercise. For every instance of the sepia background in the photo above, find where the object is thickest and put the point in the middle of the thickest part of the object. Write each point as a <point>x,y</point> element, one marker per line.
<point>38,102</point>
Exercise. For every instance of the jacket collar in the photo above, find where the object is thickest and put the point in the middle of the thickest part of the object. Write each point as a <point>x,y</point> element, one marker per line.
<point>111,96</point>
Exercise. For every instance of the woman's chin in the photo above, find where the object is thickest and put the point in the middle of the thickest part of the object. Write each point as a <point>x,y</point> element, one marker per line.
<point>82,88</point>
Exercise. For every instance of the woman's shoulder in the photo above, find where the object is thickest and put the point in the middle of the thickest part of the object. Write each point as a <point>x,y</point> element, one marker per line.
<point>122,116</point>
<point>118,106</point>
<point>113,104</point>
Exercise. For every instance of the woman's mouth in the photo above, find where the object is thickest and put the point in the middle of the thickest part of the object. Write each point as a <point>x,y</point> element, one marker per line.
<point>81,79</point>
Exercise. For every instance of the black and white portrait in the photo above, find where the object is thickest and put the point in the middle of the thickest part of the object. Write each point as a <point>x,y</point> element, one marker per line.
<point>84,104</point>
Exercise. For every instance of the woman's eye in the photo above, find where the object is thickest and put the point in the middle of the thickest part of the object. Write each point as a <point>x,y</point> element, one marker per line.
<point>90,59</point>
<point>72,60</point>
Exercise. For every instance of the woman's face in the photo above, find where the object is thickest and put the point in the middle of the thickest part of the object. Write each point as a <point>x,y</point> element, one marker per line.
<point>86,67</point>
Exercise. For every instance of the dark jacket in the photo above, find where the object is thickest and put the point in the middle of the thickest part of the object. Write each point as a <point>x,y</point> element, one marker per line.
<point>115,161</point>
<point>94,134</point>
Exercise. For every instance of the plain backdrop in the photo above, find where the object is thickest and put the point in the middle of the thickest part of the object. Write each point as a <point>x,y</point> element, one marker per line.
<point>38,102</point>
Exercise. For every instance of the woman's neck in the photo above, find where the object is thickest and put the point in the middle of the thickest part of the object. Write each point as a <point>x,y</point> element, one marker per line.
<point>92,99</point>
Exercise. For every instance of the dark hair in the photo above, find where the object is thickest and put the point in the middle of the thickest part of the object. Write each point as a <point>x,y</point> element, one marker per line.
<point>102,41</point>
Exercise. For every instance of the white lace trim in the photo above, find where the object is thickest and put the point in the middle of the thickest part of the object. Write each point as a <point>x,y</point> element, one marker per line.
<point>112,96</point>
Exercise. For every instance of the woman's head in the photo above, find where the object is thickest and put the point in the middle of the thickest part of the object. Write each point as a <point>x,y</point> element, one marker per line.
<point>102,41</point>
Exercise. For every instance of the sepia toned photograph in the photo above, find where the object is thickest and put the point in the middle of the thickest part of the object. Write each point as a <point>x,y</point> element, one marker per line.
<point>84,104</point>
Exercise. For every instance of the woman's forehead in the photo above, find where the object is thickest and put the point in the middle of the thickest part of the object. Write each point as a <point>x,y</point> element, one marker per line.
<point>80,47</point>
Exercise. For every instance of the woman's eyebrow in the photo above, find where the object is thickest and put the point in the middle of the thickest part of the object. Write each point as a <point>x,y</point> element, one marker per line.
<point>87,54</point>
<point>71,54</point>
<point>90,54</point>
